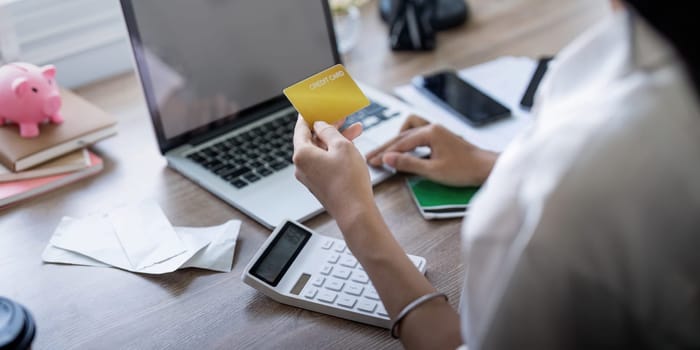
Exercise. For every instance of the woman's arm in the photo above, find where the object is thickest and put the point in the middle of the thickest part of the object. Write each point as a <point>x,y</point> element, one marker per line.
<point>336,173</point>
<point>432,325</point>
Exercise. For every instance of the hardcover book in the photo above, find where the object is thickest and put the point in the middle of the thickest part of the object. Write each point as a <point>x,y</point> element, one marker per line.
<point>83,124</point>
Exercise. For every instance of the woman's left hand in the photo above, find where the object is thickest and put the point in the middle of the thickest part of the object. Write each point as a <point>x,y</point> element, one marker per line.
<point>330,166</point>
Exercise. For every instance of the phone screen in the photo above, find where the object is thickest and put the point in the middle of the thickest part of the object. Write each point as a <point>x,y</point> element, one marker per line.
<point>462,98</point>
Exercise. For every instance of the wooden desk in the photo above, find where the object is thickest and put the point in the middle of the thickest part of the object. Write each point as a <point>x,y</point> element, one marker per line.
<point>95,308</point>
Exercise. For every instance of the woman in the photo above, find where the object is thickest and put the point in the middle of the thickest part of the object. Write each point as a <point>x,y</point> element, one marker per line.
<point>586,232</point>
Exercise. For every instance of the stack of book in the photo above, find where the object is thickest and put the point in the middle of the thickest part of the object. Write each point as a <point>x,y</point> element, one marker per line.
<point>58,156</point>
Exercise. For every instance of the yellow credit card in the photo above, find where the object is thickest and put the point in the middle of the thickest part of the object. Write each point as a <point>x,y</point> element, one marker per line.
<point>329,96</point>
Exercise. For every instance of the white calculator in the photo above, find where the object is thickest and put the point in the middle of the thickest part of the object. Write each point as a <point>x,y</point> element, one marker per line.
<point>299,267</point>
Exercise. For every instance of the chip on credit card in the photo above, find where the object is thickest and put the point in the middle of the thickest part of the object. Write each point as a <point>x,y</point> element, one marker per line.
<point>329,96</point>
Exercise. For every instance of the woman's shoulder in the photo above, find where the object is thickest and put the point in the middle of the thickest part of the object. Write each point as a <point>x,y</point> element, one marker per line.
<point>623,172</point>
<point>643,131</point>
<point>650,134</point>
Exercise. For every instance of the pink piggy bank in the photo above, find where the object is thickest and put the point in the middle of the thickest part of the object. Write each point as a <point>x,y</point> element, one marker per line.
<point>29,96</point>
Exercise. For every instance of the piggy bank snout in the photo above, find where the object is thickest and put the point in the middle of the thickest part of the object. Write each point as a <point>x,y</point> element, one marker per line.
<point>52,104</point>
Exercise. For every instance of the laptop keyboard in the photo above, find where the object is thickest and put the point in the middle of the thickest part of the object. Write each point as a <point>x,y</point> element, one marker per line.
<point>370,116</point>
<point>246,158</point>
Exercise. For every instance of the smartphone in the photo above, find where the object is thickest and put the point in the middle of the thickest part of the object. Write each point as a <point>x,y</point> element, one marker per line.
<point>437,201</point>
<point>461,98</point>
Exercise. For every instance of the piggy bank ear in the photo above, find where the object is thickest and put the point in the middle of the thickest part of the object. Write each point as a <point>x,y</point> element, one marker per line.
<point>49,71</point>
<point>20,86</point>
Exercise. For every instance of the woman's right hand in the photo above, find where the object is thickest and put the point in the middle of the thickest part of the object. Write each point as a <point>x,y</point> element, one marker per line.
<point>453,161</point>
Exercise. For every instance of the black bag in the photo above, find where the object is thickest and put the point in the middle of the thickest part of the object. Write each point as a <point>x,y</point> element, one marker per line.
<point>410,27</point>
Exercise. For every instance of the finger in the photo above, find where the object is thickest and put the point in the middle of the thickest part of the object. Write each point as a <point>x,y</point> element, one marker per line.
<point>353,131</point>
<point>339,123</point>
<point>373,156</point>
<point>302,133</point>
<point>413,121</point>
<point>327,133</point>
<point>408,141</point>
<point>318,142</point>
<point>379,150</point>
<point>407,163</point>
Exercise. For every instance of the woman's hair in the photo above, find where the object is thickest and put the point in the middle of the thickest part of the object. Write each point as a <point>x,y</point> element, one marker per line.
<point>676,21</point>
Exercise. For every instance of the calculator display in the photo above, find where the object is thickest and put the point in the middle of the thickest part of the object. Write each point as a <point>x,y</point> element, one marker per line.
<point>280,254</point>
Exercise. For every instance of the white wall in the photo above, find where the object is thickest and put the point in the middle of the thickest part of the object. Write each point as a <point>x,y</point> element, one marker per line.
<point>85,39</point>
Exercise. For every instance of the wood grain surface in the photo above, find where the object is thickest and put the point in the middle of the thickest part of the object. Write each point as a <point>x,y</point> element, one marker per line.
<point>101,308</point>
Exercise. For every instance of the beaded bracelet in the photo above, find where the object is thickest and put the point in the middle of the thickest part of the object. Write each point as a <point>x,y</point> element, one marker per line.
<point>410,307</point>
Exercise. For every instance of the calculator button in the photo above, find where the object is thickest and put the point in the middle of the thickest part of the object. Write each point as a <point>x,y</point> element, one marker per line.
<point>381,311</point>
<point>371,293</point>
<point>354,289</point>
<point>348,302</point>
<point>333,258</point>
<point>340,247</point>
<point>311,293</point>
<point>327,297</point>
<point>335,285</point>
<point>318,281</point>
<point>327,244</point>
<point>326,270</point>
<point>360,277</point>
<point>367,306</point>
<point>348,261</point>
<point>342,273</point>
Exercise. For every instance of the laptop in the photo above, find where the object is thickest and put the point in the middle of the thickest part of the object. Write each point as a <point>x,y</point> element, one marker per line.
<point>213,71</point>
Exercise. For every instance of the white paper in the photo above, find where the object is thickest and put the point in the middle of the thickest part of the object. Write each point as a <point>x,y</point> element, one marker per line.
<point>94,241</point>
<point>504,79</point>
<point>92,237</point>
<point>145,234</point>
<point>53,254</point>
<point>217,255</point>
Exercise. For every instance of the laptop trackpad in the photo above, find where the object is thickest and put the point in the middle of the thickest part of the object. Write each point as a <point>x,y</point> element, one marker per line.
<point>279,197</point>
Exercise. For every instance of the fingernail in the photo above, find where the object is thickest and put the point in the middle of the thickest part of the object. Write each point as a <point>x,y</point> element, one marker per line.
<point>390,159</point>
<point>320,124</point>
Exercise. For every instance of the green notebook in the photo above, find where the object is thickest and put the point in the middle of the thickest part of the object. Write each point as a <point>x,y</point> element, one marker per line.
<point>436,201</point>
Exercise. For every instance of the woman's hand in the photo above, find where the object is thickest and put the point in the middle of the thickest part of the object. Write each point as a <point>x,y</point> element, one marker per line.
<point>453,161</point>
<point>330,166</point>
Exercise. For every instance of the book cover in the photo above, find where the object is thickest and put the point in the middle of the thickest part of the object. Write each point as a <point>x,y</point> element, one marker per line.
<point>73,161</point>
<point>438,201</point>
<point>434,195</point>
<point>12,192</point>
<point>84,124</point>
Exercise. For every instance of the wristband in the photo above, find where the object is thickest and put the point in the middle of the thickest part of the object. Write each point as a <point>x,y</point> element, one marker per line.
<point>410,307</point>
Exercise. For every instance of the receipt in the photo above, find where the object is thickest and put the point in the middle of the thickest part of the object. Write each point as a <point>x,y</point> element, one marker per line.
<point>140,239</point>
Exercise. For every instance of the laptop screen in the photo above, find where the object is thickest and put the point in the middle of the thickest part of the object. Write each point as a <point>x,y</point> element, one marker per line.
<point>205,61</point>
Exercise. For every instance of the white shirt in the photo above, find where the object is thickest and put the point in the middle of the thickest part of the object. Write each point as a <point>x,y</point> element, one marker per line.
<point>587,232</point>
